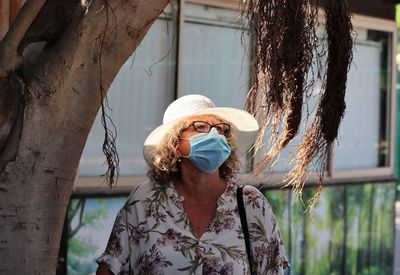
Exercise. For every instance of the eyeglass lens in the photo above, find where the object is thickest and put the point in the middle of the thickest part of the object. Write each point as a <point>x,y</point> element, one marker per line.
<point>205,127</point>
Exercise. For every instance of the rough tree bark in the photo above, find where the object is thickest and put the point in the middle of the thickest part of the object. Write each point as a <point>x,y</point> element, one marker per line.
<point>48,102</point>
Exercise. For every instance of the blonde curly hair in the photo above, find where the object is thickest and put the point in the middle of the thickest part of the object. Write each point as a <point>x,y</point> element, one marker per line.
<point>165,167</point>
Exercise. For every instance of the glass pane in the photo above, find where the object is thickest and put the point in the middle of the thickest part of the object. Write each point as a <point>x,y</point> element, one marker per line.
<point>363,135</point>
<point>138,97</point>
<point>215,62</point>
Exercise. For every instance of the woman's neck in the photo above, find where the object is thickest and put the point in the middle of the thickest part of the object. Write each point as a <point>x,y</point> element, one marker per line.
<point>198,186</point>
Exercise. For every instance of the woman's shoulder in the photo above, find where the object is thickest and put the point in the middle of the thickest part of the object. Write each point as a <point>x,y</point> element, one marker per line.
<point>139,195</point>
<point>255,200</point>
<point>250,191</point>
<point>145,189</point>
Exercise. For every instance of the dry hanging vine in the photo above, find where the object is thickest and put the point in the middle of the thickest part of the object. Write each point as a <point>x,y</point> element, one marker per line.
<point>109,143</point>
<point>284,47</point>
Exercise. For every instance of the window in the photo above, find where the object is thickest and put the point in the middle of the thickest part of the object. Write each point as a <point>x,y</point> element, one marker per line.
<point>212,61</point>
<point>215,63</point>
<point>365,143</point>
<point>364,134</point>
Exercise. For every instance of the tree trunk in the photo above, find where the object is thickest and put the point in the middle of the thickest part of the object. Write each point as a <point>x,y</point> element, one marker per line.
<point>345,229</point>
<point>303,249</point>
<point>289,240</point>
<point>63,251</point>
<point>62,95</point>
<point>381,233</point>
<point>360,257</point>
<point>370,224</point>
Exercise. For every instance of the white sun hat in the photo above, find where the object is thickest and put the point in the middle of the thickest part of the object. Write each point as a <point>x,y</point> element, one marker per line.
<point>243,123</point>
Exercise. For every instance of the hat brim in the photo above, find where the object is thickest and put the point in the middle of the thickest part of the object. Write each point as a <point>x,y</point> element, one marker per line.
<point>246,128</point>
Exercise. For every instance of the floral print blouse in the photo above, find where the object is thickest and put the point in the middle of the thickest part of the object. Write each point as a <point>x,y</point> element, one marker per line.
<point>152,235</point>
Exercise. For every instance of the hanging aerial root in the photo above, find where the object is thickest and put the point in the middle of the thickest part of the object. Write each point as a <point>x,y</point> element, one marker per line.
<point>313,201</point>
<point>319,138</point>
<point>340,45</point>
<point>306,152</point>
<point>109,144</point>
<point>266,25</point>
<point>284,39</point>
<point>295,65</point>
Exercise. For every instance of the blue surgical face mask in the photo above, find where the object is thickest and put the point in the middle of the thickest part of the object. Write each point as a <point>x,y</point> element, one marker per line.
<point>208,151</point>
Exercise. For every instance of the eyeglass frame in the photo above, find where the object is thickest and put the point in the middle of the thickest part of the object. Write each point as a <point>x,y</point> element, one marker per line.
<point>211,126</point>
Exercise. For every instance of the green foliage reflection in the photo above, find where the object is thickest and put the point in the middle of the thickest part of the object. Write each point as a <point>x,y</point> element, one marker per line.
<point>350,231</point>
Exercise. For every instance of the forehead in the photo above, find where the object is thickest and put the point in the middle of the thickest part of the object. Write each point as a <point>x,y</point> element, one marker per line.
<point>207,118</point>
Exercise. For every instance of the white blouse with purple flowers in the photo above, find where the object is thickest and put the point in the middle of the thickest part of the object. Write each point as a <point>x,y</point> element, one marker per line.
<point>152,235</point>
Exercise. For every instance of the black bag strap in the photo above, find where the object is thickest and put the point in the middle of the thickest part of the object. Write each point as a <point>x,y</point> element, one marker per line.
<point>129,243</point>
<point>243,220</point>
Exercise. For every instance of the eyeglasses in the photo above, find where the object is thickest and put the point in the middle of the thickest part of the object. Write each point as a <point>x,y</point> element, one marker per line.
<point>205,127</point>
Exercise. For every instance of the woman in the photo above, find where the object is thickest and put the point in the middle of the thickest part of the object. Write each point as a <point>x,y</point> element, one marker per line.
<point>185,219</point>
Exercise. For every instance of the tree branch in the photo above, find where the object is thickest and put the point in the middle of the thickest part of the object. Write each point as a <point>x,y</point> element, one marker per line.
<point>9,58</point>
<point>80,224</point>
<point>11,117</point>
<point>72,212</point>
<point>50,23</point>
